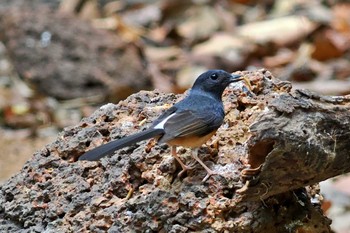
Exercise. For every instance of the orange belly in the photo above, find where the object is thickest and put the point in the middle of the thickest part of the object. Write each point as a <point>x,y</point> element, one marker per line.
<point>190,141</point>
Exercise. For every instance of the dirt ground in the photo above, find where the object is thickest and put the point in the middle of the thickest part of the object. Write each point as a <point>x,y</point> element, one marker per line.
<point>16,150</point>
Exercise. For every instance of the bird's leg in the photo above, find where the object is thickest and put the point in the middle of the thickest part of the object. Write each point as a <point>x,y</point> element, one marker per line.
<point>209,171</point>
<point>184,166</point>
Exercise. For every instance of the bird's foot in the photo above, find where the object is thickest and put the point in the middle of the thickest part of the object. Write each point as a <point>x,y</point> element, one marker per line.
<point>185,168</point>
<point>209,174</point>
<point>209,171</point>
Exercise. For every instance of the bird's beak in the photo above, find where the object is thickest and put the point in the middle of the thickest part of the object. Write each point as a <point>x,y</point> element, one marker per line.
<point>236,78</point>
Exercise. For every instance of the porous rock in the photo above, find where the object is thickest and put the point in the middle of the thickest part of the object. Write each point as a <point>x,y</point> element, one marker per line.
<point>138,188</point>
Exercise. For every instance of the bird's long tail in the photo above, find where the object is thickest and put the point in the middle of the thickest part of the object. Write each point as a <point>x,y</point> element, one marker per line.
<point>110,147</point>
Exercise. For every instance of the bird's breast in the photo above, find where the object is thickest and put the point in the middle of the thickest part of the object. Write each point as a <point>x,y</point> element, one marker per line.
<point>191,141</point>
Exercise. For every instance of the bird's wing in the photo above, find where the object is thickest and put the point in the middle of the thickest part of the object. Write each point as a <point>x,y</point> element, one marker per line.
<point>190,123</point>
<point>112,146</point>
<point>163,116</point>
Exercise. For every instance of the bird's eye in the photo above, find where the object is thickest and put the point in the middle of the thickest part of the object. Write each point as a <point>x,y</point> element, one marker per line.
<point>214,76</point>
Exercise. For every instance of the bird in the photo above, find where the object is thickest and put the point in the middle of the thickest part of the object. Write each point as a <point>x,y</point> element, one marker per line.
<point>188,123</point>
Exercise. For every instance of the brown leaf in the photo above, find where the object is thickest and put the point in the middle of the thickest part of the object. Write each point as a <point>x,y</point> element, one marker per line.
<point>282,31</point>
<point>330,44</point>
<point>283,57</point>
<point>341,17</point>
<point>202,23</point>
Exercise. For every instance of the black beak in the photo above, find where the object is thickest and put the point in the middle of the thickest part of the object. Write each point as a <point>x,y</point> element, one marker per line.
<point>235,78</point>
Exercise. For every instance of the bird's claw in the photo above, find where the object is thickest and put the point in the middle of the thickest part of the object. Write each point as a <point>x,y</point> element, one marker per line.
<point>209,174</point>
<point>185,168</point>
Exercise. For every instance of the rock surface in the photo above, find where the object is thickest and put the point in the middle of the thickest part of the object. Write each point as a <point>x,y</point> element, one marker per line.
<point>138,188</point>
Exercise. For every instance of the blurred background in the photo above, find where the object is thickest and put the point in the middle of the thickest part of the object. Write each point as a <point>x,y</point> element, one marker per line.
<point>62,59</point>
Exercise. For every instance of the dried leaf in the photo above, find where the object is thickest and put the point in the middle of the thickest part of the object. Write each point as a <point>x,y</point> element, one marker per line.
<point>202,23</point>
<point>282,31</point>
<point>218,44</point>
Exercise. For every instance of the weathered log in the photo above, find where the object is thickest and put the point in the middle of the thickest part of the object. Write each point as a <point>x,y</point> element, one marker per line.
<point>272,145</point>
<point>302,138</point>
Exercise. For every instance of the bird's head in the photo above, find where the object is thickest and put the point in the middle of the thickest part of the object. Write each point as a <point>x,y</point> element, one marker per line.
<point>214,82</point>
